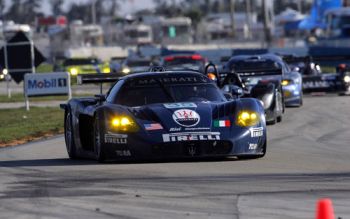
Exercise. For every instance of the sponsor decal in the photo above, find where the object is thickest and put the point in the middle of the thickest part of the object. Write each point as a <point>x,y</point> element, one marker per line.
<point>197,128</point>
<point>222,123</point>
<point>179,105</point>
<point>175,129</point>
<point>256,132</point>
<point>171,80</point>
<point>186,117</point>
<point>123,153</point>
<point>116,138</point>
<point>253,146</point>
<point>316,84</point>
<point>153,126</point>
<point>191,136</point>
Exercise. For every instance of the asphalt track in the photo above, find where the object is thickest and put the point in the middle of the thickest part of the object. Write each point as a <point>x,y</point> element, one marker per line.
<point>307,159</point>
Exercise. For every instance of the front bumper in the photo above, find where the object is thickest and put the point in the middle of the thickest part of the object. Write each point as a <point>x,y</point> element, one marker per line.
<point>292,95</point>
<point>250,141</point>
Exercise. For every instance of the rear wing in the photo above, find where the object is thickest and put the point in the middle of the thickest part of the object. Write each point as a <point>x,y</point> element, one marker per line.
<point>259,72</point>
<point>98,78</point>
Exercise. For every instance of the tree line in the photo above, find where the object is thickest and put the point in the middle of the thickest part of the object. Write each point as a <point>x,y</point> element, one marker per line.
<point>26,11</point>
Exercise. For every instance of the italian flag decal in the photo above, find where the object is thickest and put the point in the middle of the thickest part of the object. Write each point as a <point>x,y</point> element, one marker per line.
<point>222,123</point>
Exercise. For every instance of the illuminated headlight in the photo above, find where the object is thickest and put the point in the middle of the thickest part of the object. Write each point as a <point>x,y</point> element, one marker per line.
<point>2,76</point>
<point>73,71</point>
<point>126,70</point>
<point>285,82</point>
<point>247,118</point>
<point>106,70</point>
<point>5,71</point>
<point>347,79</point>
<point>123,123</point>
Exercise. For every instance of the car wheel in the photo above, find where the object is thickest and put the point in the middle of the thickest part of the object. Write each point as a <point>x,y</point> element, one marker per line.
<point>280,107</point>
<point>301,100</point>
<point>98,146</point>
<point>279,119</point>
<point>69,135</point>
<point>273,121</point>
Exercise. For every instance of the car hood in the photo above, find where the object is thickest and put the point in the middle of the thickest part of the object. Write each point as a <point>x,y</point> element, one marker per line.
<point>189,116</point>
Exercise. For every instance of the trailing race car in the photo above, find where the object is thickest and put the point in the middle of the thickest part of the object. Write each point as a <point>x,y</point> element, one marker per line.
<point>163,115</point>
<point>77,66</point>
<point>194,62</point>
<point>316,81</point>
<point>261,78</point>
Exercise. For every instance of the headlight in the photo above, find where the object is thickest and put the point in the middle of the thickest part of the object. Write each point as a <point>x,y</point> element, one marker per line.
<point>347,79</point>
<point>285,82</point>
<point>123,123</point>
<point>106,70</point>
<point>73,71</point>
<point>247,118</point>
<point>5,71</point>
<point>2,76</point>
<point>126,70</point>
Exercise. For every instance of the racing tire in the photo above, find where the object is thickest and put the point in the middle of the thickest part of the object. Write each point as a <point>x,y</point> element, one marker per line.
<point>301,102</point>
<point>69,135</point>
<point>281,106</point>
<point>279,119</point>
<point>273,121</point>
<point>98,147</point>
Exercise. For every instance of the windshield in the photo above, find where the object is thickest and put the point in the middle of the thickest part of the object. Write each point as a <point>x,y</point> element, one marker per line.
<point>139,96</point>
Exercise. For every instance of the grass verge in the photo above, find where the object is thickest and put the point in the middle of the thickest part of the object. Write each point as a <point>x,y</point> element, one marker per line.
<point>18,97</point>
<point>19,126</point>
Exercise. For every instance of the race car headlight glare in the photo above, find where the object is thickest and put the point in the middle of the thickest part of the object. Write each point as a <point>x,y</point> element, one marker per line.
<point>73,71</point>
<point>247,118</point>
<point>285,82</point>
<point>347,79</point>
<point>123,123</point>
<point>106,70</point>
<point>126,70</point>
<point>5,71</point>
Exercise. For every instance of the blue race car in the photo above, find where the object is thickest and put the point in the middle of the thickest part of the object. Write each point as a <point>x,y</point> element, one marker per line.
<point>163,115</point>
<point>292,85</point>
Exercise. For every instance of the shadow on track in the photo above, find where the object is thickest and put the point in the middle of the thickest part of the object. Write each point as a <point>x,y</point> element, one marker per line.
<point>45,162</point>
<point>69,162</point>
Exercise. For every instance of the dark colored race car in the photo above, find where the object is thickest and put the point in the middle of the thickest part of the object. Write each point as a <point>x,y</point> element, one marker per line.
<point>261,78</point>
<point>316,81</point>
<point>194,62</point>
<point>163,115</point>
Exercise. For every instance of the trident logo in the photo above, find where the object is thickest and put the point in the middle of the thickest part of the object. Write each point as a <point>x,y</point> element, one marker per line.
<point>192,150</point>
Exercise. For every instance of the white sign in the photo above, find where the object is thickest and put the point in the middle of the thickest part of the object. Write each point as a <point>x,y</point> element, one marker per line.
<point>47,84</point>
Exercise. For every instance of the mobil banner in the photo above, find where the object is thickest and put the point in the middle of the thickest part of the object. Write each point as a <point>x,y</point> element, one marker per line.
<point>57,83</point>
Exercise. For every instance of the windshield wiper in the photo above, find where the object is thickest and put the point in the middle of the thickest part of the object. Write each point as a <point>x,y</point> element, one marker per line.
<point>166,90</point>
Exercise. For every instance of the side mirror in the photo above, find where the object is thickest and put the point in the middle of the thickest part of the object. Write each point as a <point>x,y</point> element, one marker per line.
<point>233,90</point>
